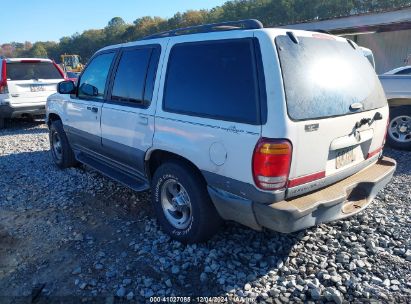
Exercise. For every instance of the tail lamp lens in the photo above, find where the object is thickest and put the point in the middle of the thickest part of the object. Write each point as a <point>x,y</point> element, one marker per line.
<point>3,78</point>
<point>271,163</point>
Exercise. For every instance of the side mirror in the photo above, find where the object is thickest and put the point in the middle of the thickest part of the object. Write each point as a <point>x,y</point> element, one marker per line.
<point>89,90</point>
<point>66,87</point>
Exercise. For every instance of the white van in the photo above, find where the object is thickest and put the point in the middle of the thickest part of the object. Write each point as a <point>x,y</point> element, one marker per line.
<point>25,84</point>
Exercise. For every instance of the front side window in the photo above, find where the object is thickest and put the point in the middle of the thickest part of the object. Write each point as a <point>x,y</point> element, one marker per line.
<point>93,81</point>
<point>131,76</point>
<point>216,79</point>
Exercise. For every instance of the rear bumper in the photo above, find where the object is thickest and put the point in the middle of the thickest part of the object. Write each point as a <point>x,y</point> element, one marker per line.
<point>8,111</point>
<point>340,200</point>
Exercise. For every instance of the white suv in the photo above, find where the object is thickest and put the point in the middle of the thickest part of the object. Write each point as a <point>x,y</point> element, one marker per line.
<point>25,84</point>
<point>267,127</point>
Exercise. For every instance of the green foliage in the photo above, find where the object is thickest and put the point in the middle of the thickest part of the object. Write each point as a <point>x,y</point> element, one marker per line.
<point>38,51</point>
<point>270,12</point>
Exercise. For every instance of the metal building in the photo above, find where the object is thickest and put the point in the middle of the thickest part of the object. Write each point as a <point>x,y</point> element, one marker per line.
<point>387,34</point>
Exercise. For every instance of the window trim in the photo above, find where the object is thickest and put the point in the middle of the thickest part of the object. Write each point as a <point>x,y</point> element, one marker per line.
<point>407,70</point>
<point>144,104</point>
<point>259,78</point>
<point>102,100</point>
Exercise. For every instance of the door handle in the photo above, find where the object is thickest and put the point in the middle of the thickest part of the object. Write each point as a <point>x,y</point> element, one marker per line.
<point>143,119</point>
<point>92,109</point>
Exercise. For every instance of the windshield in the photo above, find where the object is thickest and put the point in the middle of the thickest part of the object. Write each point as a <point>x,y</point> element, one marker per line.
<point>323,77</point>
<point>32,70</point>
<point>72,61</point>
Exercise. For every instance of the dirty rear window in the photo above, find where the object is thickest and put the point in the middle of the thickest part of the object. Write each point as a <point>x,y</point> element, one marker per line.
<point>32,70</point>
<point>323,77</point>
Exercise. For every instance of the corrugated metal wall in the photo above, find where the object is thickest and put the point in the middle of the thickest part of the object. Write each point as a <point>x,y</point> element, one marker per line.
<point>389,48</point>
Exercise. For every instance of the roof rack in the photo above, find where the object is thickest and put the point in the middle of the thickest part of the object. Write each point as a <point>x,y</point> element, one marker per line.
<point>321,31</point>
<point>247,24</point>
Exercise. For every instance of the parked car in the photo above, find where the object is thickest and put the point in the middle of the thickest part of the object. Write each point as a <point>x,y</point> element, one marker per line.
<point>267,127</point>
<point>25,84</point>
<point>405,70</point>
<point>397,88</point>
<point>73,76</point>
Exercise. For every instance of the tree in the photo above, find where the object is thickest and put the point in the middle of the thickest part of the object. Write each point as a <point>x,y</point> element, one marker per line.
<point>38,51</point>
<point>116,22</point>
<point>114,30</point>
<point>270,12</point>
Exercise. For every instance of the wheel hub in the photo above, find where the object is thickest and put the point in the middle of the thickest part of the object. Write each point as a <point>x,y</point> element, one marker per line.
<point>403,128</point>
<point>176,204</point>
<point>179,202</point>
<point>400,129</point>
<point>57,147</point>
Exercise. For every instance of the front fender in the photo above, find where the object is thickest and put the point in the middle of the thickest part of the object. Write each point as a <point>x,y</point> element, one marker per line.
<point>56,104</point>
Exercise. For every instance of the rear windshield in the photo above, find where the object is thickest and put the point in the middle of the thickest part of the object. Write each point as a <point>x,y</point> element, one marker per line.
<point>323,77</point>
<point>32,70</point>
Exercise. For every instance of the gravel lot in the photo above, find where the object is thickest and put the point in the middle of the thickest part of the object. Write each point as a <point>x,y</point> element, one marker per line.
<point>75,235</point>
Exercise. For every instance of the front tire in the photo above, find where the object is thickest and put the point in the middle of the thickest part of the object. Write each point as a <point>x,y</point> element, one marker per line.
<point>2,123</point>
<point>60,149</point>
<point>399,128</point>
<point>183,207</point>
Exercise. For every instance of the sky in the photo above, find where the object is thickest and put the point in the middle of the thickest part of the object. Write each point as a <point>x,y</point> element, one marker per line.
<point>49,20</point>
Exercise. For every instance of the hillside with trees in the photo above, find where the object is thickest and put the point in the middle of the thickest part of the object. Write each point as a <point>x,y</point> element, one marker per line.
<point>270,12</point>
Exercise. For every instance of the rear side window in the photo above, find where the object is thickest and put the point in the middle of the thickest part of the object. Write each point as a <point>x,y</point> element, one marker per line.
<point>95,75</point>
<point>216,79</point>
<point>32,70</point>
<point>131,75</point>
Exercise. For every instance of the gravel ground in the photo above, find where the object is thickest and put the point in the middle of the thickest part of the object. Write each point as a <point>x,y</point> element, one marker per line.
<point>75,235</point>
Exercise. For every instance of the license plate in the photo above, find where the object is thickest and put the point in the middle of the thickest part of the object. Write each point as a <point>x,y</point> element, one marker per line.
<point>344,158</point>
<point>37,88</point>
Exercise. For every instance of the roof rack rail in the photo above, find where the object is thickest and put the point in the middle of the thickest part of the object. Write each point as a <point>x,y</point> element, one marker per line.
<point>247,24</point>
<point>321,31</point>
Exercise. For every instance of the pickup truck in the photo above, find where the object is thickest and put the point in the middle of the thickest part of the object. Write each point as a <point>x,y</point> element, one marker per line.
<point>398,91</point>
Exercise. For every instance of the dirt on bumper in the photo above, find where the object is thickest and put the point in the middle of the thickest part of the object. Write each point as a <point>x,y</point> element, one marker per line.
<point>340,200</point>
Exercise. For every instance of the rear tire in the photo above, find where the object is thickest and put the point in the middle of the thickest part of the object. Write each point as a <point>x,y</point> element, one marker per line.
<point>183,207</point>
<point>399,128</point>
<point>60,149</point>
<point>1,123</point>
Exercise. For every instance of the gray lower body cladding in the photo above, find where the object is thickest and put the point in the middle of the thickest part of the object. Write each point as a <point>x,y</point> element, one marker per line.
<point>342,199</point>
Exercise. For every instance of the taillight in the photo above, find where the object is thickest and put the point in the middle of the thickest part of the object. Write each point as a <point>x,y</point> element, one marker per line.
<point>377,151</point>
<point>271,163</point>
<point>60,70</point>
<point>3,78</point>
